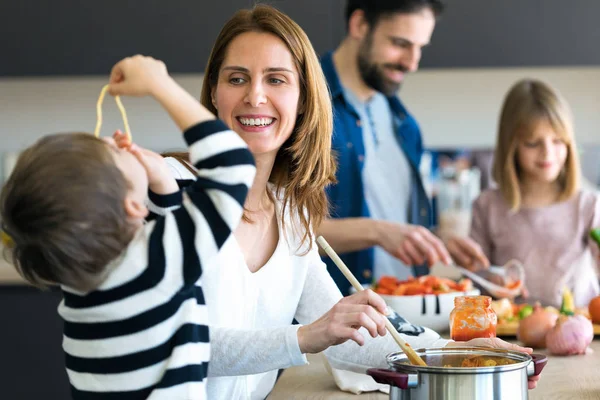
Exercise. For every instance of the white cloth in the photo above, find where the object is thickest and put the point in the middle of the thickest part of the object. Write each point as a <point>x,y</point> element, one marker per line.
<point>354,382</point>
<point>251,315</point>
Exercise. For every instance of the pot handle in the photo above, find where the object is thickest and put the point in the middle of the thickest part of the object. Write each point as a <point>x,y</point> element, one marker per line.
<point>539,361</point>
<point>389,377</point>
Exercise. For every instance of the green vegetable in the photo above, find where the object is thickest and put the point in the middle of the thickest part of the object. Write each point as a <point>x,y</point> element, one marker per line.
<point>525,311</point>
<point>595,234</point>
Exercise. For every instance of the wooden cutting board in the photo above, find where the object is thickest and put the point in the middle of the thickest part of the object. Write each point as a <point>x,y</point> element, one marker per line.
<point>510,329</point>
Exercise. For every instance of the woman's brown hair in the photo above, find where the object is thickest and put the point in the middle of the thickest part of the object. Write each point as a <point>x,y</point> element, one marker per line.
<point>527,103</point>
<point>304,165</point>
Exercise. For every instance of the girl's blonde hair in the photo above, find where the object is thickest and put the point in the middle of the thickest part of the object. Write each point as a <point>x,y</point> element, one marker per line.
<point>527,103</point>
<point>304,165</point>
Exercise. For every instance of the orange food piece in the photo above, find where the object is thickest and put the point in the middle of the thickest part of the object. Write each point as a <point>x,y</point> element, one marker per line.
<point>429,280</point>
<point>594,309</point>
<point>464,285</point>
<point>428,284</point>
<point>513,285</point>
<point>382,290</point>
<point>389,282</point>
<point>411,290</point>
<point>400,291</point>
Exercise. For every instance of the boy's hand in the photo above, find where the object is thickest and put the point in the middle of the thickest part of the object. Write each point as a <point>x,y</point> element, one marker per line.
<point>137,76</point>
<point>160,179</point>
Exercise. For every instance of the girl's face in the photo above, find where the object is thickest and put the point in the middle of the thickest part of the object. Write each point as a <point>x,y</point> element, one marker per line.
<point>258,91</point>
<point>541,157</point>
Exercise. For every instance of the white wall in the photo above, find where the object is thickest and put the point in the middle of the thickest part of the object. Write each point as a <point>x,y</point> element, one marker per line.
<point>461,107</point>
<point>455,107</point>
<point>32,107</point>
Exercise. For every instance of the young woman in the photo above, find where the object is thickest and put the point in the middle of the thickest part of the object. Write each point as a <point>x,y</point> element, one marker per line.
<point>264,80</point>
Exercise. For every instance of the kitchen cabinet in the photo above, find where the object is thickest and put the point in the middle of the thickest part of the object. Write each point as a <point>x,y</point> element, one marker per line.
<point>70,37</point>
<point>32,364</point>
<point>515,33</point>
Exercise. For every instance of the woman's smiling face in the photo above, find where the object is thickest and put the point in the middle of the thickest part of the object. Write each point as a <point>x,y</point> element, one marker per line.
<point>258,91</point>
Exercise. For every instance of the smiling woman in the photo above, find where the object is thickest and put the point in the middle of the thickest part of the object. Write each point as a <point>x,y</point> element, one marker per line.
<point>264,80</point>
<point>263,66</point>
<point>259,101</point>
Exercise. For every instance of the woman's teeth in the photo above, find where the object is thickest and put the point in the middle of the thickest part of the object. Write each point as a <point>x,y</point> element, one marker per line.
<point>256,121</point>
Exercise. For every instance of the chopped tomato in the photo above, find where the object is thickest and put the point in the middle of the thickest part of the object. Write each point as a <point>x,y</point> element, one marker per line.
<point>422,285</point>
<point>513,285</point>
<point>388,282</point>
<point>382,290</point>
<point>411,290</point>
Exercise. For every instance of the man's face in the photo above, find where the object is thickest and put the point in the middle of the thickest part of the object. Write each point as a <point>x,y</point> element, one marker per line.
<point>392,48</point>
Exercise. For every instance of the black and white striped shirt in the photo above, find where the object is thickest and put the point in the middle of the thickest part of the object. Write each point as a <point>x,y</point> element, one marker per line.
<point>143,333</point>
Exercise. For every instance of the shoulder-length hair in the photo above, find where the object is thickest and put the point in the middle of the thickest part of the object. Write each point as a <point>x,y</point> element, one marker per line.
<point>304,165</point>
<point>527,103</point>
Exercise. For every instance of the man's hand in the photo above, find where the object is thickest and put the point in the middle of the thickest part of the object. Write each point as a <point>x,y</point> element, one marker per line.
<point>467,253</point>
<point>411,244</point>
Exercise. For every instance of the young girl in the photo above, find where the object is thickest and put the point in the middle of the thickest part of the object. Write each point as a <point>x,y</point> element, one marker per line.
<point>539,214</point>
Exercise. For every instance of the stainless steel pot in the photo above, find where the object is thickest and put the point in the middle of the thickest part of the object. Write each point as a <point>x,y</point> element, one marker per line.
<point>444,379</point>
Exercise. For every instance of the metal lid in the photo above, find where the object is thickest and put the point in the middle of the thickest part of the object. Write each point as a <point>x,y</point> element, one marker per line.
<point>449,360</point>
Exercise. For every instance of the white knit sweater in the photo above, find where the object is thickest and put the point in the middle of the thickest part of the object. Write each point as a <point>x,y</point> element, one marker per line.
<point>251,315</point>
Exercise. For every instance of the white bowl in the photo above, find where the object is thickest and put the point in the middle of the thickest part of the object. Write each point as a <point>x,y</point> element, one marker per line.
<point>430,310</point>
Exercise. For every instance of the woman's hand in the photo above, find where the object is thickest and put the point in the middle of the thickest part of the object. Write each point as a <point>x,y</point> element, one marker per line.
<point>341,323</point>
<point>496,343</point>
<point>411,244</point>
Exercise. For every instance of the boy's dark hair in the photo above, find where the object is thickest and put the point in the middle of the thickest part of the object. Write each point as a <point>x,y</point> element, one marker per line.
<point>63,206</point>
<point>376,9</point>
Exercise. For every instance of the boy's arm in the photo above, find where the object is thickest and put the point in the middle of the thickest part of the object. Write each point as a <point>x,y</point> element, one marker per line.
<point>213,205</point>
<point>224,165</point>
<point>142,76</point>
<point>162,204</point>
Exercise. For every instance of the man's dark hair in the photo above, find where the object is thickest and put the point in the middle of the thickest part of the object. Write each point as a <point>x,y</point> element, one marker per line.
<point>376,9</point>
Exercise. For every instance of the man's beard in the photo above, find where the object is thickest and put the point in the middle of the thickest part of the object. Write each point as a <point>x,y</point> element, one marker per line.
<point>372,73</point>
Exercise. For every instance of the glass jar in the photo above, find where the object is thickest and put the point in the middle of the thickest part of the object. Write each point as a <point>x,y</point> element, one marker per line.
<point>472,317</point>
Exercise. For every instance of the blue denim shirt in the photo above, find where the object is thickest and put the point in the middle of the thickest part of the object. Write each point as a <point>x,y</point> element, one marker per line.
<point>347,196</point>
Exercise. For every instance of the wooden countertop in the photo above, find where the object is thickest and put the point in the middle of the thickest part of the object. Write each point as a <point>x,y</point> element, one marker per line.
<point>564,378</point>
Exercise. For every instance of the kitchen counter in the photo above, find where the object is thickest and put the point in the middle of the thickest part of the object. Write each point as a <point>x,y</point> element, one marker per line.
<point>564,378</point>
<point>8,274</point>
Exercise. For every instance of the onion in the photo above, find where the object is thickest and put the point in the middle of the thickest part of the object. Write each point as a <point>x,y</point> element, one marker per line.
<point>571,335</point>
<point>533,328</point>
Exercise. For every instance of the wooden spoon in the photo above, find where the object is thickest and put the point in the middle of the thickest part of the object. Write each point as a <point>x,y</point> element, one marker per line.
<point>413,357</point>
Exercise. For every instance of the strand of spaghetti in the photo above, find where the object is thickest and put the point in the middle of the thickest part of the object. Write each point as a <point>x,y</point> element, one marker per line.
<point>99,113</point>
